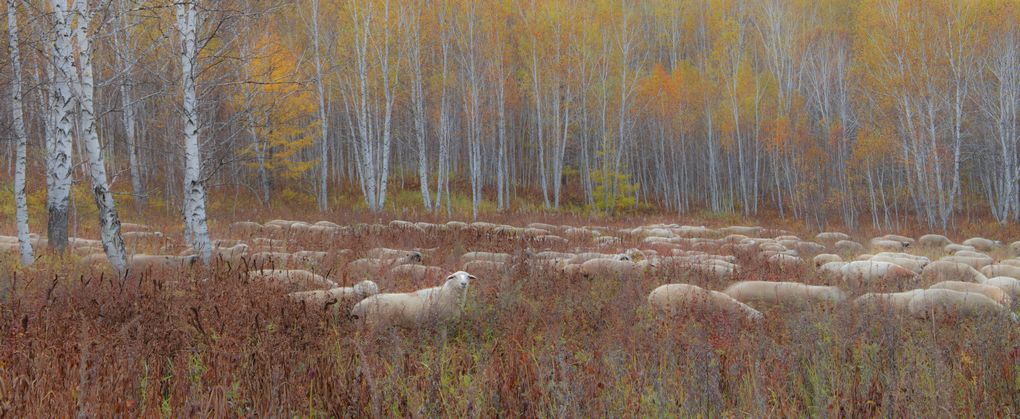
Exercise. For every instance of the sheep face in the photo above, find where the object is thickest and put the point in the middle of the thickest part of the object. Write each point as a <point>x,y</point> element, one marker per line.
<point>460,279</point>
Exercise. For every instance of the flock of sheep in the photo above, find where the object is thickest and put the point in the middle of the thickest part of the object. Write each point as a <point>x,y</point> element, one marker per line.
<point>927,278</point>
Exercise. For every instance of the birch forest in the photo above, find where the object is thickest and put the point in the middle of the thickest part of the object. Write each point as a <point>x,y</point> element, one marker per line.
<point>510,208</point>
<point>837,113</point>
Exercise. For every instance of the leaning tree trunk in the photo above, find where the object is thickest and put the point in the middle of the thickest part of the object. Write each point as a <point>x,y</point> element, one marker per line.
<point>194,189</point>
<point>59,156</point>
<point>20,201</point>
<point>109,221</point>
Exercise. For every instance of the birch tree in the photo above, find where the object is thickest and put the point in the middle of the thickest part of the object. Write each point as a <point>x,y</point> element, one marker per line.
<point>59,153</point>
<point>323,195</point>
<point>196,229</point>
<point>109,221</point>
<point>20,137</point>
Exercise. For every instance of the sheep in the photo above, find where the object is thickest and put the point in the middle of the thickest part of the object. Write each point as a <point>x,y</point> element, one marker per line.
<point>679,298</point>
<point>549,255</point>
<point>785,262</point>
<point>897,302</point>
<point>861,273</point>
<point>159,263</point>
<point>416,273</point>
<point>1010,262</point>
<point>622,269</point>
<point>831,236</point>
<point>976,262</point>
<point>886,245</point>
<point>488,256</point>
<point>907,241</point>
<point>995,293</point>
<point>808,248</point>
<point>336,299</point>
<point>982,244</point>
<point>1010,285</point>
<point>714,269</point>
<point>275,259</point>
<point>953,248</point>
<point>309,257</point>
<point>327,224</point>
<point>934,240</point>
<point>367,267</point>
<point>485,268</point>
<point>411,256</point>
<point>792,294</point>
<point>940,304</point>
<point>832,271</point>
<point>824,258</point>
<point>269,243</point>
<point>912,264</point>
<point>848,247</point>
<point>423,308</point>
<point>942,270</point>
<point>1001,270</point>
<point>746,231</point>
<point>293,279</point>
<point>584,257</point>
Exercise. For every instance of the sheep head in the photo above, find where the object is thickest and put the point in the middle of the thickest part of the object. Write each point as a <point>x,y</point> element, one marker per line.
<point>366,288</point>
<point>460,280</point>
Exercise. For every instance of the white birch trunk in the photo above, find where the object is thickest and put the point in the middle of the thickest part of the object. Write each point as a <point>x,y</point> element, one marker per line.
<point>323,195</point>
<point>109,221</point>
<point>194,189</point>
<point>20,200</point>
<point>60,153</point>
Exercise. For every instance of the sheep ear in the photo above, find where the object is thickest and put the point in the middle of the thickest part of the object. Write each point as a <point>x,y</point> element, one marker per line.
<point>472,277</point>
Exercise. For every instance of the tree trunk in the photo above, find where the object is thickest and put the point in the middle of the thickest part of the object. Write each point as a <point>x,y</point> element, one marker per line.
<point>109,221</point>
<point>20,137</point>
<point>60,154</point>
<point>194,187</point>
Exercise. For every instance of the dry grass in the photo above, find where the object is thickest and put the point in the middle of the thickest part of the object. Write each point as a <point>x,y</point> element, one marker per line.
<point>531,343</point>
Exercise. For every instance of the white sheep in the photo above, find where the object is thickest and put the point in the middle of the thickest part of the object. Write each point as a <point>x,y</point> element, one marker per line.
<point>824,258</point>
<point>939,304</point>
<point>159,263</point>
<point>848,247</point>
<point>982,244</point>
<point>831,236</point>
<point>897,302</point>
<point>995,293</point>
<point>503,258</point>
<point>416,273</point>
<point>622,269</point>
<point>1001,270</point>
<point>864,273</point>
<point>954,247</point>
<point>942,270</point>
<point>336,299</point>
<point>1010,285</point>
<point>974,261</point>
<point>934,240</point>
<point>370,268</point>
<point>411,256</point>
<point>293,279</point>
<point>673,299</point>
<point>423,308</point>
<point>792,294</point>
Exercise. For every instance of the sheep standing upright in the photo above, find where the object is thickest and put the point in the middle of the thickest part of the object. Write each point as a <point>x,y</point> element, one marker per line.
<point>423,308</point>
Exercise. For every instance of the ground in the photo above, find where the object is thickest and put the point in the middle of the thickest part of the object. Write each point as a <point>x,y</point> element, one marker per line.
<point>531,342</point>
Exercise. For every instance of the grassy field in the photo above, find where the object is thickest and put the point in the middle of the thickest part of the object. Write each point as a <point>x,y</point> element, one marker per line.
<point>531,342</point>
